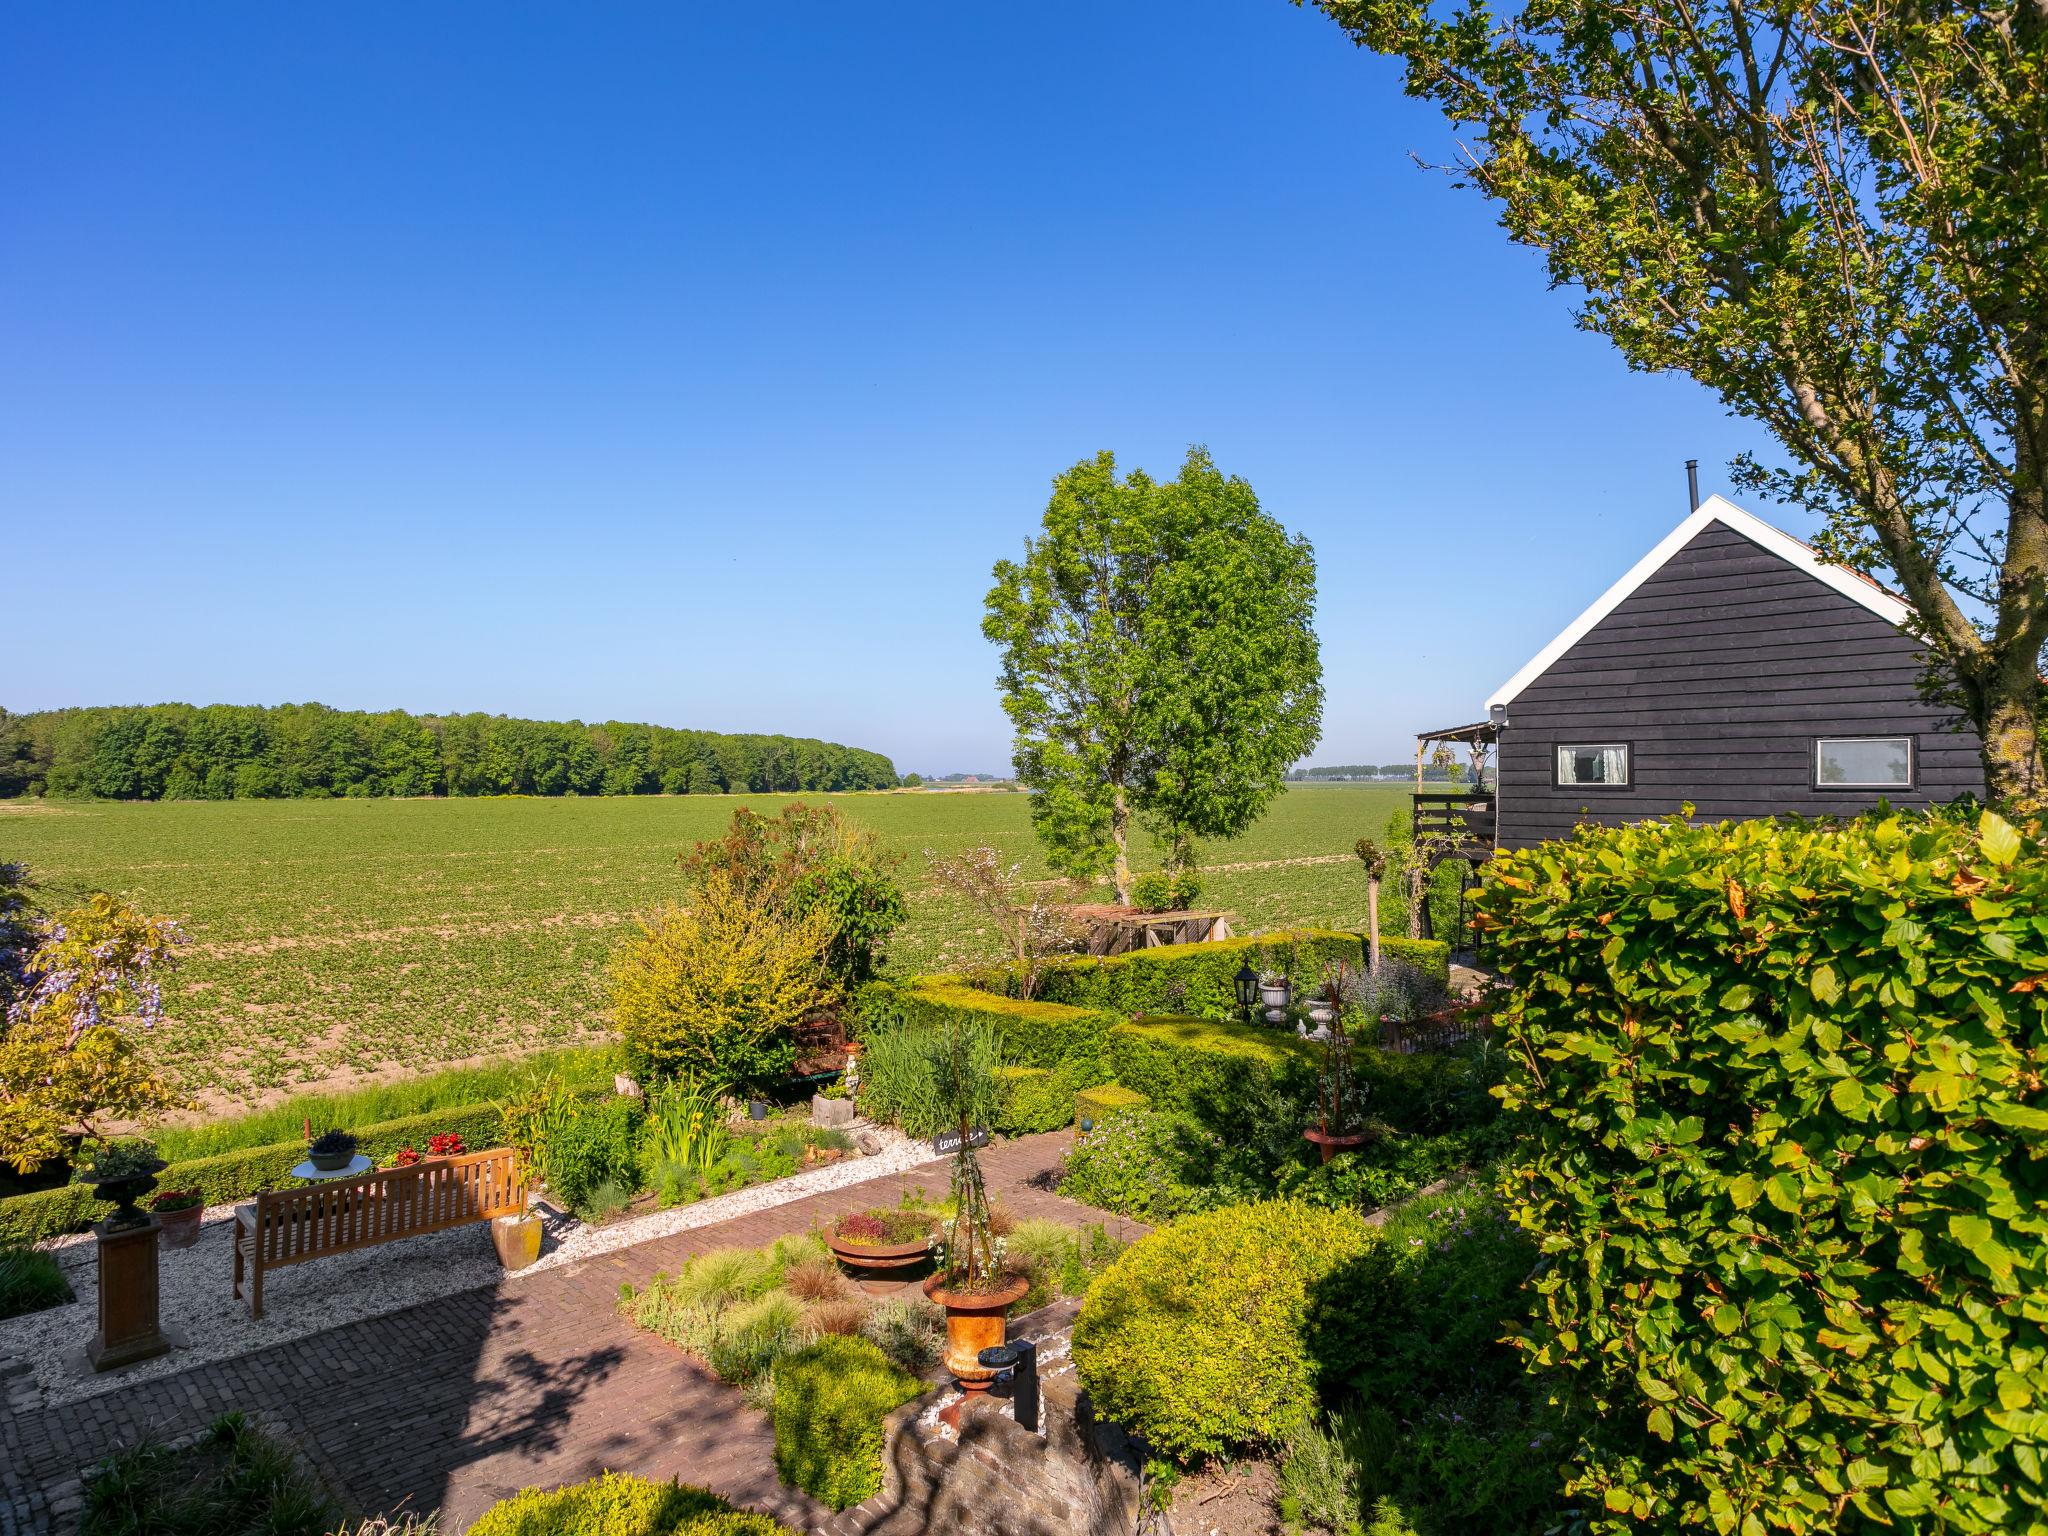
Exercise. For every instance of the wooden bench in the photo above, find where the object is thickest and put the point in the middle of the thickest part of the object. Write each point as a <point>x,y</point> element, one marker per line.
<point>293,1225</point>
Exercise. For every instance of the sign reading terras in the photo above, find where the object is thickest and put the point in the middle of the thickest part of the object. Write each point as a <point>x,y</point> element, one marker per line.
<point>949,1141</point>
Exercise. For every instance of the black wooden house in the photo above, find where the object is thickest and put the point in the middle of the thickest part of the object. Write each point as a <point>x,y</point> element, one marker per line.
<point>1733,669</point>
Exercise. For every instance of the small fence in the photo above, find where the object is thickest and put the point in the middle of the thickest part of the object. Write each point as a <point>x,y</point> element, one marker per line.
<point>1433,1033</point>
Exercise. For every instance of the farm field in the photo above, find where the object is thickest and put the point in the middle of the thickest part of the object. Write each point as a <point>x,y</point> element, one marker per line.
<point>339,940</point>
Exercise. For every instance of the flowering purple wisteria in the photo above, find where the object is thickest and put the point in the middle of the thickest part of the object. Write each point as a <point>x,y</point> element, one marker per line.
<point>113,977</point>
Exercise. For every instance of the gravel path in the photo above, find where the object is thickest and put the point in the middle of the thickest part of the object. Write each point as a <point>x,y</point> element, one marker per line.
<point>196,1284</point>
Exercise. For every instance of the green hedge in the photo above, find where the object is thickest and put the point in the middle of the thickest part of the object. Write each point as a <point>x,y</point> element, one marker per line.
<point>230,1176</point>
<point>615,1504</point>
<point>1778,1091</point>
<point>1199,1337</point>
<point>1066,1040</point>
<point>1031,1099</point>
<point>1200,1067</point>
<point>831,1398</point>
<point>1201,979</point>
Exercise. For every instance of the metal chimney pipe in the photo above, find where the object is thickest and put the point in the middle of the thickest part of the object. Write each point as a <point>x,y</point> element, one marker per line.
<point>1692,485</point>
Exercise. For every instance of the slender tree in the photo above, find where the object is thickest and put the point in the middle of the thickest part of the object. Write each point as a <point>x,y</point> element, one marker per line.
<point>1159,661</point>
<point>1834,214</point>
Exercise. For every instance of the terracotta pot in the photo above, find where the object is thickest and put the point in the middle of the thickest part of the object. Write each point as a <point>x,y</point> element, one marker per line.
<point>880,1255</point>
<point>180,1228</point>
<point>974,1322</point>
<point>517,1239</point>
<point>1330,1143</point>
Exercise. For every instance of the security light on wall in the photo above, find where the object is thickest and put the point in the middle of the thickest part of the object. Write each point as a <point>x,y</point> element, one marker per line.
<point>1498,714</point>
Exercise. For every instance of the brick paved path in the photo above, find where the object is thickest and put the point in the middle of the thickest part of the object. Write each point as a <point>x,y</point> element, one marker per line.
<point>458,1402</point>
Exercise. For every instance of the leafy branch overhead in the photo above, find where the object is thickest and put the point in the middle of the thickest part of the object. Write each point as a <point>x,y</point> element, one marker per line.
<point>1159,661</point>
<point>1832,213</point>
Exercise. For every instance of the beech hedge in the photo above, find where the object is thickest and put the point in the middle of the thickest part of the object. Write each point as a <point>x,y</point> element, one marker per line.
<point>1780,1094</point>
<point>227,1177</point>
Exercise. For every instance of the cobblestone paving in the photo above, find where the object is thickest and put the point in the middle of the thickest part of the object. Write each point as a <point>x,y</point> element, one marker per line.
<point>455,1403</point>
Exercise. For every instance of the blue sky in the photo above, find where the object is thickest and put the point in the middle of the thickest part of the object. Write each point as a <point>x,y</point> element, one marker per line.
<point>693,364</point>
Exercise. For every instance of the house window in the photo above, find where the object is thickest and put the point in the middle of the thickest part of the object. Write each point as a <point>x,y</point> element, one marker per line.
<point>1863,762</point>
<point>1603,765</point>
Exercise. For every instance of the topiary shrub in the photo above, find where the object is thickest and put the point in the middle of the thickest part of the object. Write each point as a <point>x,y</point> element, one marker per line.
<point>1778,1102</point>
<point>615,1504</point>
<point>1031,1099</point>
<point>830,1401</point>
<point>1198,1339</point>
<point>1097,1104</point>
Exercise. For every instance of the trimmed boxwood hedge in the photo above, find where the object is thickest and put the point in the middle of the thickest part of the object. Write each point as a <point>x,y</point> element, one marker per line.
<point>230,1176</point>
<point>1106,1099</point>
<point>1061,1039</point>
<point>1201,979</point>
<point>1031,1099</point>
<point>1779,1103</point>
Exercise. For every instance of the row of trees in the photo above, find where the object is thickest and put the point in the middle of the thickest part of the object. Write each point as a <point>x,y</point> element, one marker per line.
<point>243,752</point>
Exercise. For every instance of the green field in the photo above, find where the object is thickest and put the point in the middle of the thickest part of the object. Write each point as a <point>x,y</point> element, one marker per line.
<point>339,939</point>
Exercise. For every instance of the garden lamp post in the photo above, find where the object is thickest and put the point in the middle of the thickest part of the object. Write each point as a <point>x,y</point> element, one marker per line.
<point>1247,990</point>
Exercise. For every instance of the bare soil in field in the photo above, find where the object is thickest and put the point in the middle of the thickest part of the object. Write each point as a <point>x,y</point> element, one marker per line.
<point>342,941</point>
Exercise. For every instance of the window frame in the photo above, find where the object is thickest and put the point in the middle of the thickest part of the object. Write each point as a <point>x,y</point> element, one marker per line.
<point>1628,748</point>
<point>1821,786</point>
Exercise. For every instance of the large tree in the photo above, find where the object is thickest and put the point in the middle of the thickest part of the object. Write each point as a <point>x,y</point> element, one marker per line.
<point>1159,661</point>
<point>1831,213</point>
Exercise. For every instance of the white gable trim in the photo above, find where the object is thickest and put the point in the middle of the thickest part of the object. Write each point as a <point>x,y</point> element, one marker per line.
<point>1714,509</point>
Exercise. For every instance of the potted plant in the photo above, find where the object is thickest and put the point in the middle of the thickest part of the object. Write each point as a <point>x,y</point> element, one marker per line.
<point>971,1283</point>
<point>1336,1092</point>
<point>123,1172</point>
<point>179,1210</point>
<point>517,1238</point>
<point>331,1151</point>
<point>881,1238</point>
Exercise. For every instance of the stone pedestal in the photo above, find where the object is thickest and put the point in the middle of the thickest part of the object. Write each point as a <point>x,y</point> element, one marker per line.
<point>129,1328</point>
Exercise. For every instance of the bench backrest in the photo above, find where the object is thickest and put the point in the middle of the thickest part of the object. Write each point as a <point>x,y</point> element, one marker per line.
<point>372,1208</point>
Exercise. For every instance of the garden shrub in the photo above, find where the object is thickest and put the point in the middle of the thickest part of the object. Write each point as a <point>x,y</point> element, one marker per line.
<point>830,1400</point>
<point>1152,892</point>
<point>615,1504</point>
<point>596,1144</point>
<point>230,1176</point>
<point>1056,1259</point>
<point>30,1281</point>
<point>1141,1164</point>
<point>1199,1337</point>
<point>1033,1034</point>
<point>234,1478</point>
<point>910,1330</point>
<point>717,988</point>
<point>1779,1108</point>
<point>1440,1414</point>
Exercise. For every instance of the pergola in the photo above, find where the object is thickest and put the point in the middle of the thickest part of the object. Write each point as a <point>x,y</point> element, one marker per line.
<point>1474,738</point>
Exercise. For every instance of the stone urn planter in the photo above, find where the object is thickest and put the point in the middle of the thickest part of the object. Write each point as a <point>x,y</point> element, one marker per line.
<point>517,1239</point>
<point>975,1320</point>
<point>1274,997</point>
<point>124,1191</point>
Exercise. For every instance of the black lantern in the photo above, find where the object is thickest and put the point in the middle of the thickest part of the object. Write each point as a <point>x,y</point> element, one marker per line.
<point>1247,990</point>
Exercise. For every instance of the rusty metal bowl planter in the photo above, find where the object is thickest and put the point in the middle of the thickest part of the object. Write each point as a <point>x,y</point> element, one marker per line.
<point>975,1321</point>
<point>873,1252</point>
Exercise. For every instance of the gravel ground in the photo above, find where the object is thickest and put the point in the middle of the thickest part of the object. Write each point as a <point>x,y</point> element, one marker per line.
<point>197,1298</point>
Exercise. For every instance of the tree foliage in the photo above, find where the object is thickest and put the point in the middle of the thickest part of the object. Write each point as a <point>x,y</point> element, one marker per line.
<point>244,752</point>
<point>68,1061</point>
<point>1778,1095</point>
<point>809,858</point>
<point>1159,660</point>
<point>1834,214</point>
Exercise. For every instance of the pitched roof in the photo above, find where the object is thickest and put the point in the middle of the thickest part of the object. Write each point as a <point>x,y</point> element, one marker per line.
<point>1859,589</point>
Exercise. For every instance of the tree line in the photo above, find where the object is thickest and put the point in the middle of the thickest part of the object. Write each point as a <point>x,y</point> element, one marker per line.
<point>308,751</point>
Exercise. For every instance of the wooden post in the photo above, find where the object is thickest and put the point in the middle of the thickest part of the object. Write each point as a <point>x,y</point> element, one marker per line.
<point>129,1330</point>
<point>1372,911</point>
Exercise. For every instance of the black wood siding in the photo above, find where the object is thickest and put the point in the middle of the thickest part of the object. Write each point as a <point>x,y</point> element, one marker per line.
<point>1720,671</point>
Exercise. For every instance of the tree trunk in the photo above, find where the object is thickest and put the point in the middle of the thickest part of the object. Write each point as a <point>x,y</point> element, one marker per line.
<point>1120,830</point>
<point>2011,732</point>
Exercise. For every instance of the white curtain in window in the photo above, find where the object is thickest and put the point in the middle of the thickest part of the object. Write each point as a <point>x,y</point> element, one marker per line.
<point>1592,765</point>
